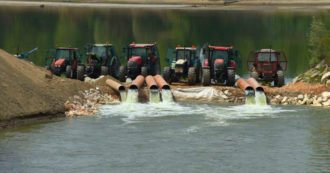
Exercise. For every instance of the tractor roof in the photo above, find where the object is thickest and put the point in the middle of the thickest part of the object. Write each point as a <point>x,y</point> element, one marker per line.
<point>141,45</point>
<point>66,48</point>
<point>185,48</point>
<point>220,47</point>
<point>101,44</point>
<point>266,50</point>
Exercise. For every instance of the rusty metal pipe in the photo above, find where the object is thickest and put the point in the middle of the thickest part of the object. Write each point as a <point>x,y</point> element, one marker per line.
<point>115,85</point>
<point>255,85</point>
<point>151,83</point>
<point>137,83</point>
<point>245,86</point>
<point>161,82</point>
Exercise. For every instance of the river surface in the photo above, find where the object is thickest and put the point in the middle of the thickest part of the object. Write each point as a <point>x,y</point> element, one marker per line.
<point>24,28</point>
<point>174,137</point>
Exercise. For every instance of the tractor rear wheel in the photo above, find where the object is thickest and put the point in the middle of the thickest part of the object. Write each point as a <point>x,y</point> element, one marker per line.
<point>122,74</point>
<point>206,78</point>
<point>230,77</point>
<point>68,71</point>
<point>167,74</point>
<point>254,75</point>
<point>144,71</point>
<point>191,75</point>
<point>279,78</point>
<point>104,70</point>
<point>80,72</point>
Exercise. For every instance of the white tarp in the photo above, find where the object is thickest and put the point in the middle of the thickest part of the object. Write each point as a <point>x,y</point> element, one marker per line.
<point>203,93</point>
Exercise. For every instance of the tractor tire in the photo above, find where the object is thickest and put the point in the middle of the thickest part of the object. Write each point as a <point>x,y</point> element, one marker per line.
<point>104,70</point>
<point>56,71</point>
<point>206,78</point>
<point>157,68</point>
<point>199,73</point>
<point>80,72</point>
<point>279,78</point>
<point>68,72</point>
<point>230,77</point>
<point>114,69</point>
<point>144,71</point>
<point>254,75</point>
<point>191,76</point>
<point>122,74</point>
<point>167,74</point>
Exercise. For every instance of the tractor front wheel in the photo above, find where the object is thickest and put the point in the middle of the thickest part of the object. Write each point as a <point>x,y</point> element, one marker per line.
<point>68,71</point>
<point>122,74</point>
<point>144,71</point>
<point>167,74</point>
<point>279,78</point>
<point>80,72</point>
<point>206,78</point>
<point>104,70</point>
<point>191,75</point>
<point>230,77</point>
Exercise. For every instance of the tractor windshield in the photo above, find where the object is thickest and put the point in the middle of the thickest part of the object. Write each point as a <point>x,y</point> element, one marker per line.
<point>100,51</point>
<point>220,54</point>
<point>183,54</point>
<point>267,57</point>
<point>139,51</point>
<point>63,54</point>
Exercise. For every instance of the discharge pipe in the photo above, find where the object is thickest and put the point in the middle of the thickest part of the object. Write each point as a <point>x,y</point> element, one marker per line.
<point>115,85</point>
<point>255,85</point>
<point>161,82</point>
<point>137,83</point>
<point>151,83</point>
<point>246,87</point>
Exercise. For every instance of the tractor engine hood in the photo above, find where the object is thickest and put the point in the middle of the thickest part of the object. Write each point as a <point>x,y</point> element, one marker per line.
<point>59,62</point>
<point>137,59</point>
<point>219,64</point>
<point>181,62</point>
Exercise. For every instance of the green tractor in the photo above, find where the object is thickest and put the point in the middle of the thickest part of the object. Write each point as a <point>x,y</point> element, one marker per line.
<point>184,63</point>
<point>101,59</point>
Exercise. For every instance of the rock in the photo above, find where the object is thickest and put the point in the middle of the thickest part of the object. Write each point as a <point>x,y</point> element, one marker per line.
<point>300,96</point>
<point>319,99</point>
<point>224,96</point>
<point>316,103</point>
<point>316,74</point>
<point>327,103</point>
<point>325,77</point>
<point>309,101</point>
<point>226,92</point>
<point>285,99</point>
<point>328,83</point>
<point>278,97</point>
<point>326,94</point>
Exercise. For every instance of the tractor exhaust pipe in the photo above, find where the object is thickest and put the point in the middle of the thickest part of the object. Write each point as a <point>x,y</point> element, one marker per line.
<point>161,82</point>
<point>137,83</point>
<point>246,87</point>
<point>255,85</point>
<point>151,83</point>
<point>115,85</point>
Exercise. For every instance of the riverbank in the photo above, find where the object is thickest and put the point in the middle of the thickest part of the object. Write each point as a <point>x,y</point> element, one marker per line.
<point>181,4</point>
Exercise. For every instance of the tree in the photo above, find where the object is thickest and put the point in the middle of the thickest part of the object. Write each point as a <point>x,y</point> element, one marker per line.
<point>315,37</point>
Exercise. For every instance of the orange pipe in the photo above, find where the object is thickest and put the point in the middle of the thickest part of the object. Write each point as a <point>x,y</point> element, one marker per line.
<point>137,83</point>
<point>255,85</point>
<point>151,83</point>
<point>115,85</point>
<point>245,86</point>
<point>161,82</point>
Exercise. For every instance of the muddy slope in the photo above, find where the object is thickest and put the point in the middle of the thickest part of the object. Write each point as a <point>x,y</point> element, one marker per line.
<point>26,89</point>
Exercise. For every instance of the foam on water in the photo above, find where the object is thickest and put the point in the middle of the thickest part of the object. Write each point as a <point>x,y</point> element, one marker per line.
<point>132,96</point>
<point>260,98</point>
<point>167,96</point>
<point>154,96</point>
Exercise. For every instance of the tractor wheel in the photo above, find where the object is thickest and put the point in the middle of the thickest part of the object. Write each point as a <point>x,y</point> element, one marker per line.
<point>230,77</point>
<point>157,68</point>
<point>68,71</point>
<point>199,73</point>
<point>279,78</point>
<point>80,72</point>
<point>114,69</point>
<point>144,71</point>
<point>167,74</point>
<point>122,74</point>
<point>56,71</point>
<point>206,78</point>
<point>191,75</point>
<point>254,75</point>
<point>104,70</point>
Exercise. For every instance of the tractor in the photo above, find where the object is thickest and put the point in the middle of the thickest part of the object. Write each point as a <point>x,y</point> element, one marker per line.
<point>101,59</point>
<point>142,59</point>
<point>63,61</point>
<point>219,64</point>
<point>184,63</point>
<point>267,65</point>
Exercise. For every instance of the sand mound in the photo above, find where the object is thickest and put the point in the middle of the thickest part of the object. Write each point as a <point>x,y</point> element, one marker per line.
<point>26,89</point>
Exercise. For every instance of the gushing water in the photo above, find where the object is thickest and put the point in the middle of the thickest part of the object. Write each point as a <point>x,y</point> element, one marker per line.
<point>260,98</point>
<point>123,96</point>
<point>154,96</point>
<point>132,96</point>
<point>249,97</point>
<point>167,96</point>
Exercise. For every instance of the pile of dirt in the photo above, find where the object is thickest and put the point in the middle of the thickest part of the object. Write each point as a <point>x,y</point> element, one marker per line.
<point>28,90</point>
<point>298,87</point>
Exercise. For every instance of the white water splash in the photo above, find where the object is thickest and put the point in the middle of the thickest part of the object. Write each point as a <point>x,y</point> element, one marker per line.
<point>154,96</point>
<point>260,98</point>
<point>123,96</point>
<point>167,96</point>
<point>132,96</point>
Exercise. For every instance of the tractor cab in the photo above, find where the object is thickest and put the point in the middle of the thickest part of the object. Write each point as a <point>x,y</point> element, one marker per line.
<point>63,60</point>
<point>141,59</point>
<point>267,65</point>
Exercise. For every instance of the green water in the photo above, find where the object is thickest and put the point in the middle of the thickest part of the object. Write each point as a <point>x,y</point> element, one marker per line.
<point>27,28</point>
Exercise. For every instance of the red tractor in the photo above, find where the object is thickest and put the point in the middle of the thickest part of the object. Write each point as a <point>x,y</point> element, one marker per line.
<point>219,65</point>
<point>63,60</point>
<point>267,65</point>
<point>142,59</point>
